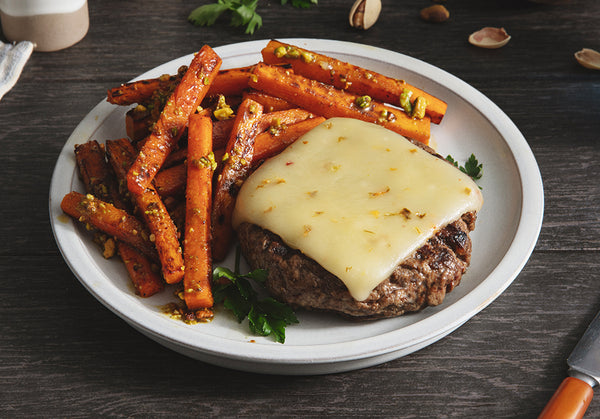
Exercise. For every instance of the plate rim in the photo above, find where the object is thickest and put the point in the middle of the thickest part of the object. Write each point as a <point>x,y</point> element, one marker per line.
<point>527,230</point>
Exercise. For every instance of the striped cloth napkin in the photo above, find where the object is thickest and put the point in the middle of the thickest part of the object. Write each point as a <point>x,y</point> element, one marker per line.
<point>12,60</point>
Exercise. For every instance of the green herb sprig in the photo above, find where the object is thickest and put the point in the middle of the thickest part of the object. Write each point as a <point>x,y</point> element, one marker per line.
<point>243,12</point>
<point>472,167</point>
<point>265,317</point>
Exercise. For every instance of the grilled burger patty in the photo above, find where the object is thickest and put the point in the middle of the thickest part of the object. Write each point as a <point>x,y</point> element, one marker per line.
<point>421,280</point>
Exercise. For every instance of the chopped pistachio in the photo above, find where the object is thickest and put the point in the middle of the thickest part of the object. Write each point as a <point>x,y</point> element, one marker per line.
<point>405,100</point>
<point>419,108</point>
<point>363,101</point>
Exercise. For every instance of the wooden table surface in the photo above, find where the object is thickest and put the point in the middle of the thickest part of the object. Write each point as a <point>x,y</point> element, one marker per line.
<point>63,354</point>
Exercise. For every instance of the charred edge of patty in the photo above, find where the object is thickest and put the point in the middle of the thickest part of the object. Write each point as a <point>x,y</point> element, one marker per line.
<point>421,280</point>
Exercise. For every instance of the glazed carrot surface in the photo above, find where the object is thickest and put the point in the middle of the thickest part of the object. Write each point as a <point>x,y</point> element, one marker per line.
<point>349,77</point>
<point>270,103</point>
<point>146,281</point>
<point>171,181</point>
<point>141,91</point>
<point>174,118</point>
<point>325,100</point>
<point>277,119</point>
<point>268,144</point>
<point>231,82</point>
<point>96,174</point>
<point>197,247</point>
<point>236,168</point>
<point>109,219</point>
<point>152,210</point>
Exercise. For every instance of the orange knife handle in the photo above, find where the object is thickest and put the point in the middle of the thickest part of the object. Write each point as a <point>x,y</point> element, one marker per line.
<point>571,400</point>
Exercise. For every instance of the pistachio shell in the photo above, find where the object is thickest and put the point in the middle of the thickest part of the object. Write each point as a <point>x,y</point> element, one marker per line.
<point>588,58</point>
<point>364,13</point>
<point>489,37</point>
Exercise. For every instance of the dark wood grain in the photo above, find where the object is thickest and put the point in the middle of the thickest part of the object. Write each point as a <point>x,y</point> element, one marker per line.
<point>63,354</point>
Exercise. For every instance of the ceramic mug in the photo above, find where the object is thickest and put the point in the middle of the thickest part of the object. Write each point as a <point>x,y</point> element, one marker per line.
<point>50,24</point>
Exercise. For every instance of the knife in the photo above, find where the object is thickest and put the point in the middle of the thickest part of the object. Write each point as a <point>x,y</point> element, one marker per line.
<point>575,393</point>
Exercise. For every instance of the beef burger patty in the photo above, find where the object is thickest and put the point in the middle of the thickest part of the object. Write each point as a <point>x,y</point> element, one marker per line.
<point>421,280</point>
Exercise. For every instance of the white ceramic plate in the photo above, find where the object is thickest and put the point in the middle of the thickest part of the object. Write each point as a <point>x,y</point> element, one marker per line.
<point>506,233</point>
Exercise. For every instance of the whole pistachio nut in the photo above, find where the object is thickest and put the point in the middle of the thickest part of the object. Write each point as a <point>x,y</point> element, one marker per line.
<point>436,14</point>
<point>364,13</point>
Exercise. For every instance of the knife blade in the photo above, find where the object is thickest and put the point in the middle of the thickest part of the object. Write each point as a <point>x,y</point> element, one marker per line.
<point>575,393</point>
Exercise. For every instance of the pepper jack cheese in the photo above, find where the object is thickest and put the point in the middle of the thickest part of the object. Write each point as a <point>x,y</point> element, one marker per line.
<point>356,198</point>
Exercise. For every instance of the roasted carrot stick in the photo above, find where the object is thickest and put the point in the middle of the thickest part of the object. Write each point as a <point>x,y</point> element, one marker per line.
<point>152,209</point>
<point>177,213</point>
<point>197,248</point>
<point>270,103</point>
<point>109,219</point>
<point>146,281</point>
<point>175,158</point>
<point>278,119</point>
<point>138,123</point>
<point>171,181</point>
<point>325,100</point>
<point>221,132</point>
<point>268,144</point>
<point>96,174</point>
<point>349,77</point>
<point>228,82</point>
<point>172,121</point>
<point>236,168</point>
<point>231,82</point>
<point>141,91</point>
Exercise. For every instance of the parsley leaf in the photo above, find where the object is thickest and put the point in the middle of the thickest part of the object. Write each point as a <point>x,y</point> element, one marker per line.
<point>208,14</point>
<point>472,167</point>
<point>301,4</point>
<point>265,317</point>
<point>243,12</point>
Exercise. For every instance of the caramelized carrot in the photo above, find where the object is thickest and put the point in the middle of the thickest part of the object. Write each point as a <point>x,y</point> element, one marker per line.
<point>228,82</point>
<point>173,120</point>
<point>279,119</point>
<point>141,91</point>
<point>138,123</point>
<point>175,158</point>
<point>231,82</point>
<point>177,213</point>
<point>221,131</point>
<point>152,209</point>
<point>95,173</point>
<point>325,100</point>
<point>111,220</point>
<point>171,181</point>
<point>145,279</point>
<point>349,77</point>
<point>197,249</point>
<point>270,103</point>
<point>268,144</point>
<point>236,168</point>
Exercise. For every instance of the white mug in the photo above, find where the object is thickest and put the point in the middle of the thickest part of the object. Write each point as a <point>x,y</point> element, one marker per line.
<point>50,24</point>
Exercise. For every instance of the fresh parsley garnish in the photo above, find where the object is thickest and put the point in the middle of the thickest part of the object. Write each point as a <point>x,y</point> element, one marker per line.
<point>472,167</point>
<point>243,12</point>
<point>265,316</point>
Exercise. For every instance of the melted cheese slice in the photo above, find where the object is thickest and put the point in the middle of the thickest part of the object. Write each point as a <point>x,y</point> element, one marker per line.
<point>357,198</point>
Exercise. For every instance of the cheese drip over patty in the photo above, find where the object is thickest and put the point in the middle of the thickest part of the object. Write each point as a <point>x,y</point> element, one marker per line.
<point>357,198</point>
